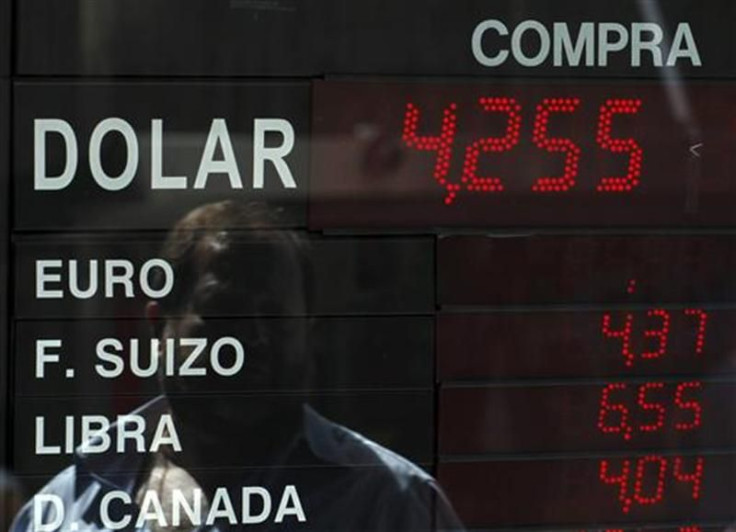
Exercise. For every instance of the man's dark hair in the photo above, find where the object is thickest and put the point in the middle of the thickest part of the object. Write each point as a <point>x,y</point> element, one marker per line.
<point>200,236</point>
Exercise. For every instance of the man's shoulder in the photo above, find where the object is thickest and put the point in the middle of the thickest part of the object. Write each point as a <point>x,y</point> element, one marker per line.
<point>62,488</point>
<point>338,445</point>
<point>385,490</point>
<point>374,472</point>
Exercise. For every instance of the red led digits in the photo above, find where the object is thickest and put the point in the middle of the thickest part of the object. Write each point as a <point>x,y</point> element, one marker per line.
<point>658,406</point>
<point>492,144</point>
<point>441,144</point>
<point>655,495</point>
<point>622,480</point>
<point>608,110</point>
<point>618,411</point>
<point>648,405</point>
<point>651,480</point>
<point>631,287</point>
<point>694,477</point>
<point>623,413</point>
<point>624,334</point>
<point>690,405</point>
<point>702,317</point>
<point>564,145</point>
<point>660,333</point>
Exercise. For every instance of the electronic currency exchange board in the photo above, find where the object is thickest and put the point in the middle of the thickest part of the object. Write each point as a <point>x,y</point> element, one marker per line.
<point>368,265</point>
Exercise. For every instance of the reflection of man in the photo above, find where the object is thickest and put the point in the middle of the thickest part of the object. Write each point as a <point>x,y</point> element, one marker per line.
<point>252,454</point>
<point>10,499</point>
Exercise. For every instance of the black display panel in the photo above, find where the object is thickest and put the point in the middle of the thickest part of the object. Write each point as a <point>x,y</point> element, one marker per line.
<point>162,37</point>
<point>337,276</point>
<point>5,28</point>
<point>4,248</point>
<point>325,491</point>
<point>47,431</point>
<point>99,156</point>
<point>508,493</point>
<point>690,527</point>
<point>520,153</point>
<point>528,270</point>
<point>517,345</point>
<point>494,239</point>
<point>341,353</point>
<point>287,37</point>
<point>541,418</point>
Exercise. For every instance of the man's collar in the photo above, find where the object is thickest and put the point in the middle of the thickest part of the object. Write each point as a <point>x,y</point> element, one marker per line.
<point>117,471</point>
<point>327,441</point>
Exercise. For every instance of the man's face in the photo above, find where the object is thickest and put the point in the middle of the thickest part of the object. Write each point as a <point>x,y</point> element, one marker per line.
<point>251,292</point>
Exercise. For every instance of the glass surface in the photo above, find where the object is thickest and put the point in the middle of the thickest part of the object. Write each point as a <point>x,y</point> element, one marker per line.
<point>372,266</point>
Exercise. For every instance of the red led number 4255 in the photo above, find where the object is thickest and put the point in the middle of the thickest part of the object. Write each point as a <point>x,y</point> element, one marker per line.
<point>443,145</point>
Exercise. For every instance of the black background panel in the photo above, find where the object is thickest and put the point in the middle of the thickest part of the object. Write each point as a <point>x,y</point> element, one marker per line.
<point>5,39</point>
<point>165,38</point>
<point>371,170</point>
<point>498,346</point>
<point>694,414</point>
<point>189,115</point>
<point>322,492</point>
<point>338,353</point>
<point>287,37</point>
<point>477,336</point>
<point>348,276</point>
<point>4,248</point>
<point>528,270</point>
<point>569,491</point>
<point>408,429</point>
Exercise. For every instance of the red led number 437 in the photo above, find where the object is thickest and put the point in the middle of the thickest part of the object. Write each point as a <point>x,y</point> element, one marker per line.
<point>443,145</point>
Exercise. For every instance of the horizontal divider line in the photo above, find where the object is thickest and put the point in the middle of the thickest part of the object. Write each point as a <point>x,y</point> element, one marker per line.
<point>424,232</point>
<point>600,526</point>
<point>255,393</point>
<point>535,382</point>
<point>388,314</point>
<point>166,79</point>
<point>228,468</point>
<point>115,236</point>
<point>451,309</point>
<point>576,455</point>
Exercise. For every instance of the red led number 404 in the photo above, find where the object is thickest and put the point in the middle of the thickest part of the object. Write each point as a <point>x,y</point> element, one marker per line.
<point>443,145</point>
<point>646,480</point>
